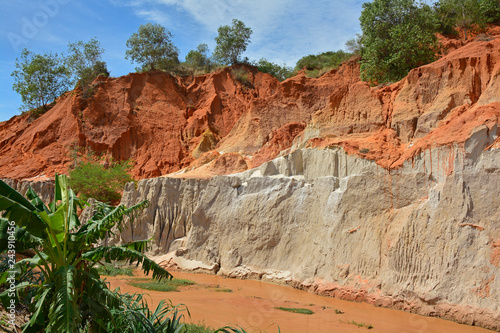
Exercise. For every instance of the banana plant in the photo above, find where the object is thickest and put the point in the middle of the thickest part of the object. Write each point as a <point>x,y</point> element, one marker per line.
<point>72,296</point>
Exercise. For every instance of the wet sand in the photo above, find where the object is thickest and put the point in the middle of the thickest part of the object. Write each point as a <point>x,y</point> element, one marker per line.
<point>251,305</point>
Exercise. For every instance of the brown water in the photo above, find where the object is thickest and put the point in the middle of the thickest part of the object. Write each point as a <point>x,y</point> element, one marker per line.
<point>251,305</point>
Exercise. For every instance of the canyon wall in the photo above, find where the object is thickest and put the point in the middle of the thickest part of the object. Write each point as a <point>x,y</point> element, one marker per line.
<point>384,194</point>
<point>424,238</point>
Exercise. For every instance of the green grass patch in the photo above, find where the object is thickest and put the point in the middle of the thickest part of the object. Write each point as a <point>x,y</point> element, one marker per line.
<point>223,290</point>
<point>114,270</point>
<point>196,328</point>
<point>218,288</point>
<point>360,324</point>
<point>295,310</point>
<point>163,285</point>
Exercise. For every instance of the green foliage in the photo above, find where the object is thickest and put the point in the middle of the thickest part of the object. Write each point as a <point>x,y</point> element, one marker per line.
<point>355,45</point>
<point>323,60</point>
<point>398,35</point>
<point>24,275</point>
<point>165,285</point>
<point>464,14</point>
<point>99,180</point>
<point>114,269</point>
<point>198,59</point>
<point>317,65</point>
<point>85,63</point>
<point>460,13</point>
<point>223,290</point>
<point>445,19</point>
<point>231,41</point>
<point>490,11</point>
<point>39,79</point>
<point>134,316</point>
<point>280,72</point>
<point>240,74</point>
<point>72,296</point>
<point>196,328</point>
<point>314,73</point>
<point>296,310</point>
<point>151,47</point>
<point>360,324</point>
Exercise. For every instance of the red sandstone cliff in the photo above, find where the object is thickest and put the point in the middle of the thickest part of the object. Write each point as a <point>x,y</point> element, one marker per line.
<point>216,124</point>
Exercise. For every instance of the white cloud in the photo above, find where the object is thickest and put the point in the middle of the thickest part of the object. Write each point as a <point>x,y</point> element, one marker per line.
<point>153,15</point>
<point>283,30</point>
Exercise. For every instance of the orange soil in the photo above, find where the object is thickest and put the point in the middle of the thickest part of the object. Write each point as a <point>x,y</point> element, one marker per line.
<point>165,123</point>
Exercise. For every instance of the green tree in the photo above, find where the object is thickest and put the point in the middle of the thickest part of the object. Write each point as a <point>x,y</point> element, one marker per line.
<point>355,45</point>
<point>101,181</point>
<point>198,59</point>
<point>85,63</point>
<point>461,13</point>
<point>39,79</point>
<point>398,35</point>
<point>72,297</point>
<point>231,41</point>
<point>151,47</point>
<point>279,72</point>
<point>490,11</point>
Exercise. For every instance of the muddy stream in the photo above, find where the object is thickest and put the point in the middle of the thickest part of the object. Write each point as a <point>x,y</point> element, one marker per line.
<point>217,301</point>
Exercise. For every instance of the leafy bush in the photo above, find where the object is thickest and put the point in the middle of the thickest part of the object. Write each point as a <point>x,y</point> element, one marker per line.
<point>466,14</point>
<point>96,179</point>
<point>355,45</point>
<point>490,11</point>
<point>323,60</point>
<point>279,72</point>
<point>398,35</point>
<point>198,60</point>
<point>240,74</point>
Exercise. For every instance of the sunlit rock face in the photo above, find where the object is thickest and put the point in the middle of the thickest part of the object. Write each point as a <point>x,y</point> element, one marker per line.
<point>423,238</point>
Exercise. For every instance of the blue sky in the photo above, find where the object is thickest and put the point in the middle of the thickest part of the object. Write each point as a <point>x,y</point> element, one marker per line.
<point>283,30</point>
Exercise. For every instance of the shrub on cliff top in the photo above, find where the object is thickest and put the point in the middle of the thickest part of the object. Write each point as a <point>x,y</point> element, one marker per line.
<point>398,35</point>
<point>279,72</point>
<point>85,62</point>
<point>323,60</point>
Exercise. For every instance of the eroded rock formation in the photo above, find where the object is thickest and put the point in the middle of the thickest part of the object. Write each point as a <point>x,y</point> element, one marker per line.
<point>381,194</point>
<point>423,238</point>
